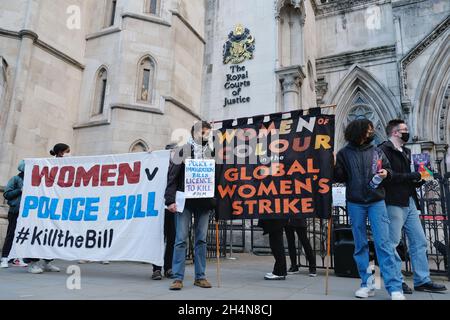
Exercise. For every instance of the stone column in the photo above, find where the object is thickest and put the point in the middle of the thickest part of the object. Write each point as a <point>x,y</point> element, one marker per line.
<point>291,79</point>
<point>442,154</point>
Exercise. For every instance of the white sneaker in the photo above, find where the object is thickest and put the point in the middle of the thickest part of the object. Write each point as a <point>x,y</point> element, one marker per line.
<point>397,295</point>
<point>49,267</point>
<point>4,263</point>
<point>35,268</point>
<point>271,276</point>
<point>19,263</point>
<point>364,292</point>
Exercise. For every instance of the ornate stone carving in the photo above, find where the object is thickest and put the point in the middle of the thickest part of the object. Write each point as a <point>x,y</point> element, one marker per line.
<point>329,6</point>
<point>321,89</point>
<point>443,117</point>
<point>356,57</point>
<point>291,78</point>
<point>406,106</point>
<point>362,110</point>
<point>297,4</point>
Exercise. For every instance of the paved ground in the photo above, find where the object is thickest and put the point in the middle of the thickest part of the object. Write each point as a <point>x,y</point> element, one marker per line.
<point>241,279</point>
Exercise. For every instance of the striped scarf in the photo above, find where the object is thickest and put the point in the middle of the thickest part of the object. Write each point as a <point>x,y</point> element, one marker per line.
<point>199,150</point>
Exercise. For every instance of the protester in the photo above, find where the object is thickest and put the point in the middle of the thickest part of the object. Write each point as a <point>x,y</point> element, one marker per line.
<point>274,227</point>
<point>196,148</point>
<point>299,226</point>
<point>169,236</point>
<point>13,195</point>
<point>403,205</point>
<point>363,167</point>
<point>60,150</point>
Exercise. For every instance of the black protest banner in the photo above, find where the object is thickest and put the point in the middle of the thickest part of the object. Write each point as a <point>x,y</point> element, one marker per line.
<point>275,169</point>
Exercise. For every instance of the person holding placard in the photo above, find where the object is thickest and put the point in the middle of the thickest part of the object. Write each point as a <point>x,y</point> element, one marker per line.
<point>197,148</point>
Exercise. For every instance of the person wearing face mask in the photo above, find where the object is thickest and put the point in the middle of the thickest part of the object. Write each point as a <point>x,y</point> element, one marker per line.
<point>403,206</point>
<point>361,166</point>
<point>35,266</point>
<point>196,148</point>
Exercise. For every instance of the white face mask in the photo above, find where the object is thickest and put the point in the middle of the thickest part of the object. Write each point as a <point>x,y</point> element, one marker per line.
<point>67,155</point>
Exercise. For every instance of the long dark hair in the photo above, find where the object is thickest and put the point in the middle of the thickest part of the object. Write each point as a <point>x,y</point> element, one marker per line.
<point>58,148</point>
<point>356,130</point>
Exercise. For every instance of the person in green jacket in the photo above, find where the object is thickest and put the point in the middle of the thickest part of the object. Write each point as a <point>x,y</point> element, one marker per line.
<point>13,195</point>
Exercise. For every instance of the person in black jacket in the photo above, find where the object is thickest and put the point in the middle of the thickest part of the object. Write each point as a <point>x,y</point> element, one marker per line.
<point>403,205</point>
<point>299,226</point>
<point>274,227</point>
<point>363,167</point>
<point>169,236</point>
<point>196,148</point>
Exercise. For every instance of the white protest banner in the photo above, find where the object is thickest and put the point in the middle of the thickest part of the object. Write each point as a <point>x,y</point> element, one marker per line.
<point>199,178</point>
<point>93,208</point>
<point>339,199</point>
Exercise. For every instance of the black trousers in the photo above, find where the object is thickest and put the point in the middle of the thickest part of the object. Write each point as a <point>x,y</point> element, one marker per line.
<point>303,237</point>
<point>12,222</point>
<point>277,247</point>
<point>169,236</point>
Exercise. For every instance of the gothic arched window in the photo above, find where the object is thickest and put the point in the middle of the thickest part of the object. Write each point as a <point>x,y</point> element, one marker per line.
<point>291,20</point>
<point>146,80</point>
<point>139,146</point>
<point>362,110</point>
<point>101,85</point>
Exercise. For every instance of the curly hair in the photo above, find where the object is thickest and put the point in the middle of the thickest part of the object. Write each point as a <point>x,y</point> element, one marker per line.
<point>356,130</point>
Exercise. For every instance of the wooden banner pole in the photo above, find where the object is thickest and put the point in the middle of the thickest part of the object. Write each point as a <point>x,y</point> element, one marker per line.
<point>328,253</point>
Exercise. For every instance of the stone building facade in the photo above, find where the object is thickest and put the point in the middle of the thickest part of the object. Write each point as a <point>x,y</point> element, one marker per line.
<point>103,76</point>
<point>117,76</point>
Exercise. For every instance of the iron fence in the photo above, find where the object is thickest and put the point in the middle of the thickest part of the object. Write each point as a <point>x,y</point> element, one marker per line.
<point>434,198</point>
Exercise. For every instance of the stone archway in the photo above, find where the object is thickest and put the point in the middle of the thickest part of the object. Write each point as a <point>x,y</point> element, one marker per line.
<point>139,146</point>
<point>361,95</point>
<point>430,115</point>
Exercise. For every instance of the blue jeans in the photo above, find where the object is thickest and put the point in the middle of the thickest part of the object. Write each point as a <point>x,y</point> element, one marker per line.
<point>182,222</point>
<point>408,218</point>
<point>379,223</point>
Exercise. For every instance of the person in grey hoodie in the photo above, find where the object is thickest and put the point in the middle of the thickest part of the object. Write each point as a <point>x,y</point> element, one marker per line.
<point>13,195</point>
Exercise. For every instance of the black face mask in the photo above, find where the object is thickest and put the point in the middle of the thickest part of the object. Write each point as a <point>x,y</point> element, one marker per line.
<point>370,139</point>
<point>204,142</point>
<point>405,137</point>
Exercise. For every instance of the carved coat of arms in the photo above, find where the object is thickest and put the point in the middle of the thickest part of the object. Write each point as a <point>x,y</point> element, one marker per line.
<point>239,47</point>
